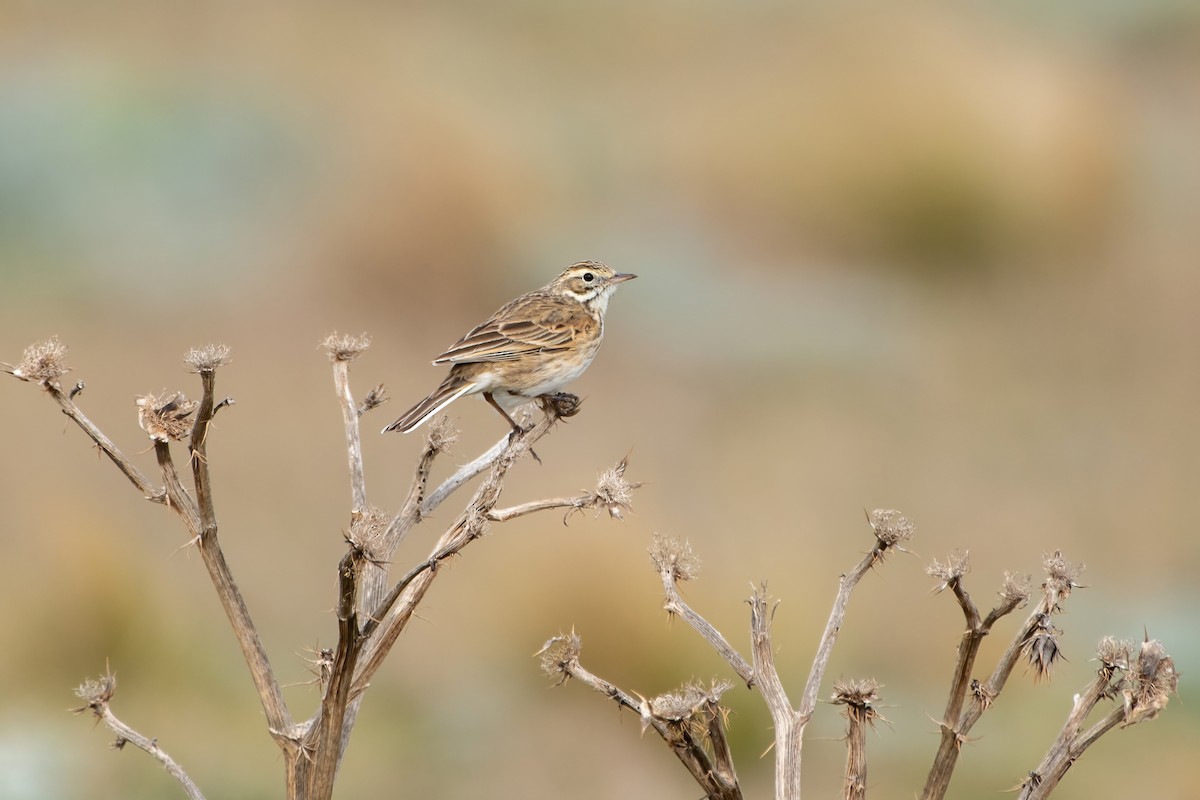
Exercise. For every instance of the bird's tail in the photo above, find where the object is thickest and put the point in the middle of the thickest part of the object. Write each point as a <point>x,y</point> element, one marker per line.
<point>451,389</point>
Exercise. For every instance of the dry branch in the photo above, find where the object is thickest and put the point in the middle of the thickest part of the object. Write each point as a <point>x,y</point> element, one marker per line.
<point>96,695</point>
<point>686,719</point>
<point>859,698</point>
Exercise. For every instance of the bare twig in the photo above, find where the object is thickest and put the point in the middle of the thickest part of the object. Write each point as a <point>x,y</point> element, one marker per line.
<point>675,562</point>
<point>891,530</point>
<point>463,474</point>
<point>342,350</point>
<point>96,694</point>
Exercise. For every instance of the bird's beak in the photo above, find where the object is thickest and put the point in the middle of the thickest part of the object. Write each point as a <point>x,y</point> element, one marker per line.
<point>621,277</point>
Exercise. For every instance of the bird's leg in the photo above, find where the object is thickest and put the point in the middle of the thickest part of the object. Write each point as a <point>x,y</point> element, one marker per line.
<point>517,430</point>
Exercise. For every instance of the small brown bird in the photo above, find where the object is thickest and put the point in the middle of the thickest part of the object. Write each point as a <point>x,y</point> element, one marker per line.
<point>533,346</point>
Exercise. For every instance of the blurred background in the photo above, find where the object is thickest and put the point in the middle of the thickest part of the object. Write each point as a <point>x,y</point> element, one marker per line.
<point>940,258</point>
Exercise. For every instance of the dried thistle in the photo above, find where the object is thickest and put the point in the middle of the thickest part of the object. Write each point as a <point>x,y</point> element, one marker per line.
<point>344,347</point>
<point>165,417</point>
<point>366,534</point>
<point>1041,647</point>
<point>1061,577</point>
<point>674,558</point>
<point>860,693</point>
<point>891,527</point>
<point>1015,589</point>
<point>1151,682</point>
<point>41,363</point>
<point>613,493</point>
<point>1114,654</point>
<point>96,692</point>
<point>982,694</point>
<point>442,435</point>
<point>951,571</point>
<point>560,655</point>
<point>207,358</point>
<point>374,399</point>
<point>689,707</point>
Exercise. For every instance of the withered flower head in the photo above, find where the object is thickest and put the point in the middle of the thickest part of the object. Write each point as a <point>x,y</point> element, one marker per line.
<point>613,493</point>
<point>345,347</point>
<point>96,692</point>
<point>560,655</point>
<point>1061,577</point>
<point>1151,682</point>
<point>1041,647</point>
<point>891,527</point>
<point>690,706</point>
<point>1113,653</point>
<point>1015,588</point>
<point>366,534</point>
<point>855,692</point>
<point>674,557</point>
<point>207,358</point>
<point>952,569</point>
<point>165,417</point>
<point>41,363</point>
<point>442,434</point>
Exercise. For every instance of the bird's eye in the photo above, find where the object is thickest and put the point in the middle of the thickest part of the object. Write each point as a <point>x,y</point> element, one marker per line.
<point>588,277</point>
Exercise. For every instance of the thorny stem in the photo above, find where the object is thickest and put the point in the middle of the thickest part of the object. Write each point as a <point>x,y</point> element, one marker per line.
<point>98,694</point>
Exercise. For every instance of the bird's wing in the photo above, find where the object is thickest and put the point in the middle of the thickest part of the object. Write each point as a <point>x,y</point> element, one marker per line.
<point>529,324</point>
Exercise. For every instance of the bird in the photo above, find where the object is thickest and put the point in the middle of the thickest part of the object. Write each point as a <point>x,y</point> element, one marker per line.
<point>530,348</point>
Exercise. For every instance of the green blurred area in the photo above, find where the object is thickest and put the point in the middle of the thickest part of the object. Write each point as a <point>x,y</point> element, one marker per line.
<point>938,258</point>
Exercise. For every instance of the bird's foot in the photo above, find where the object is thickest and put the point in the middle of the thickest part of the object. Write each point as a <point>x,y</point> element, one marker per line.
<point>561,404</point>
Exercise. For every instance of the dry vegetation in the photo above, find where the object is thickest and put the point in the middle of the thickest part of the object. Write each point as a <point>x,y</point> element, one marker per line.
<point>375,602</point>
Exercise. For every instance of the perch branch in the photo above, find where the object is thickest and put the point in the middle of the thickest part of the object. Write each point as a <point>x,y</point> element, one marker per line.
<point>387,620</point>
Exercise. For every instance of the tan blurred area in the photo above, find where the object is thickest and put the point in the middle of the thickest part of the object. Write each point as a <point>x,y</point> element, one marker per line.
<point>939,258</point>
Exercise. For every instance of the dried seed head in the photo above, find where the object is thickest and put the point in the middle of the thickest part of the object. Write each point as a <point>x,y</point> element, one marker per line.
<point>345,347</point>
<point>165,417</point>
<point>1061,577</point>
<point>560,655</point>
<point>891,527</point>
<point>374,399</point>
<point>1041,647</point>
<point>982,693</point>
<point>674,558</point>
<point>947,573</point>
<point>207,358</point>
<point>687,699</point>
<point>96,692</point>
<point>41,363</point>
<point>613,493</point>
<point>442,435</point>
<point>366,534</point>
<point>1114,653</point>
<point>1152,681</point>
<point>858,696</point>
<point>855,692</point>
<point>1015,588</point>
